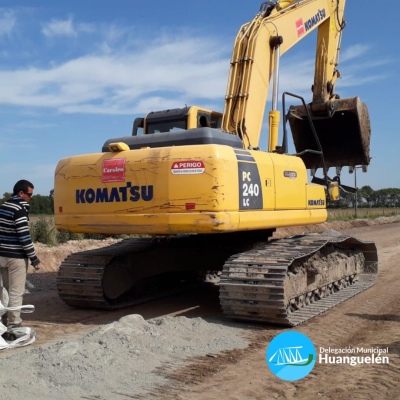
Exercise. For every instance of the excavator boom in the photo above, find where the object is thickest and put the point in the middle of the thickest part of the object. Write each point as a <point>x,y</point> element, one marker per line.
<point>255,63</point>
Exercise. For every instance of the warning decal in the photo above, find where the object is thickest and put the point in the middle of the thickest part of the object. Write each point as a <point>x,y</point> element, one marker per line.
<point>113,170</point>
<point>190,167</point>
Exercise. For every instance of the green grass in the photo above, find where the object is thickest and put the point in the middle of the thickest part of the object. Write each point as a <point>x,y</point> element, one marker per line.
<point>347,214</point>
<point>43,230</point>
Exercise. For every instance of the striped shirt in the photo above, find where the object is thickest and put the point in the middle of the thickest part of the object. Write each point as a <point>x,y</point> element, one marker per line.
<point>15,238</point>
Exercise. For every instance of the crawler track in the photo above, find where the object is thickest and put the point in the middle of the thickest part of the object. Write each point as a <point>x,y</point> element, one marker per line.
<point>81,275</point>
<point>273,282</point>
<point>254,284</point>
<point>137,270</point>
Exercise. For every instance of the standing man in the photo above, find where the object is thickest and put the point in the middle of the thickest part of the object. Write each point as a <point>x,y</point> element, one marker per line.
<point>16,248</point>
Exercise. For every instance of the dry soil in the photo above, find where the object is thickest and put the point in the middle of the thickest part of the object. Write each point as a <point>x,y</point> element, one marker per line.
<point>182,347</point>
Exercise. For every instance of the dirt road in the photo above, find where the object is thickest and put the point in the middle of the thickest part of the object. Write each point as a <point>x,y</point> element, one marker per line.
<point>369,320</point>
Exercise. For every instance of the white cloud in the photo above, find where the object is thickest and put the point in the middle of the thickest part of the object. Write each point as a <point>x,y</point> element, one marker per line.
<point>353,52</point>
<point>142,74</point>
<point>7,22</point>
<point>118,82</point>
<point>59,28</point>
<point>66,27</point>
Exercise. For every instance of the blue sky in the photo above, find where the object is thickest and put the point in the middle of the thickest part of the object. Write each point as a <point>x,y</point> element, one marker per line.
<point>74,74</point>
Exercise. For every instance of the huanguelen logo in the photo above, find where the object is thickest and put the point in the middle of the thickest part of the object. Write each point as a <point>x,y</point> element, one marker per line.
<point>291,356</point>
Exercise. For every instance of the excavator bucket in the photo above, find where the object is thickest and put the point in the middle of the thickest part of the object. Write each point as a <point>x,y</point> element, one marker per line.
<point>343,132</point>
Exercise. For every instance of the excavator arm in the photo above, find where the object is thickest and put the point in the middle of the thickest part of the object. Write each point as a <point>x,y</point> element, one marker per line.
<point>259,44</point>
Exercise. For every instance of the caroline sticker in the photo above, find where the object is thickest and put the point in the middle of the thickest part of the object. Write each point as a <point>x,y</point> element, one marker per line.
<point>188,167</point>
<point>113,170</point>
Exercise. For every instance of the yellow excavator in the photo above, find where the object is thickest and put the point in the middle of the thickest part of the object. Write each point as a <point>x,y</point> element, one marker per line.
<point>198,195</point>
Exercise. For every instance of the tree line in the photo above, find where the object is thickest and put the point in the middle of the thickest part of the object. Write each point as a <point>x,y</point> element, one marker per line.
<point>39,205</point>
<point>366,197</point>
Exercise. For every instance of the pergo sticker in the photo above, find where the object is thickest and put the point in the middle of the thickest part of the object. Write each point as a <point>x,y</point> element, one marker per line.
<point>113,170</point>
<point>190,167</point>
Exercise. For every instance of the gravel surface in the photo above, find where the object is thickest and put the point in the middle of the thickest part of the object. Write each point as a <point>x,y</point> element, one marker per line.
<point>36,283</point>
<point>117,361</point>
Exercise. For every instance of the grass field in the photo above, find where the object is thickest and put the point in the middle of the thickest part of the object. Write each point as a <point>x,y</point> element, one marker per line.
<point>346,214</point>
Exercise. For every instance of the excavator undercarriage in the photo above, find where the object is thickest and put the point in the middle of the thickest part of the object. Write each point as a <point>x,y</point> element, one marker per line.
<point>285,281</point>
<point>291,280</point>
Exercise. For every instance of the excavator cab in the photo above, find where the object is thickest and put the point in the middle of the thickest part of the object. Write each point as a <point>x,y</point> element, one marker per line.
<point>340,129</point>
<point>177,119</point>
